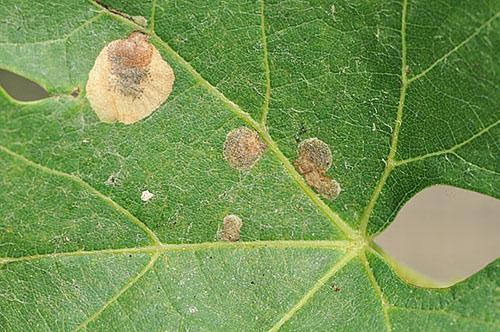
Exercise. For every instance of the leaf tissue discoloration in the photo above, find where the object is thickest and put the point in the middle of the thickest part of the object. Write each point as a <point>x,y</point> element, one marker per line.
<point>314,159</point>
<point>314,154</point>
<point>243,148</point>
<point>327,187</point>
<point>232,227</point>
<point>129,80</point>
<point>130,59</point>
<point>146,195</point>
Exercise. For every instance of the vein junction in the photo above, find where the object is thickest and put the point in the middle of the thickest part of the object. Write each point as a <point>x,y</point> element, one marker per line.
<point>354,247</point>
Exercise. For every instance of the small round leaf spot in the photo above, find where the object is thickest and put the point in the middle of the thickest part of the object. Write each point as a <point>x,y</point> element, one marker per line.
<point>232,226</point>
<point>314,159</point>
<point>314,154</point>
<point>146,195</point>
<point>129,80</point>
<point>243,148</point>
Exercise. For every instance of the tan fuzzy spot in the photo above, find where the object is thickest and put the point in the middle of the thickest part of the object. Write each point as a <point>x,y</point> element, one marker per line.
<point>314,159</point>
<point>129,80</point>
<point>231,230</point>
<point>328,188</point>
<point>314,154</point>
<point>243,148</point>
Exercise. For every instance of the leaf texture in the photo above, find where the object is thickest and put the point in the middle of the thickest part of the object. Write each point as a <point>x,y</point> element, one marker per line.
<point>405,93</point>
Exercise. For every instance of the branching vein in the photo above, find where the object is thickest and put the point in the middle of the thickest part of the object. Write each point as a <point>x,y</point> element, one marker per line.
<point>454,49</point>
<point>389,163</point>
<point>113,299</point>
<point>311,292</point>
<point>152,236</point>
<point>294,244</point>
<point>383,301</point>
<point>231,106</point>
<point>449,150</point>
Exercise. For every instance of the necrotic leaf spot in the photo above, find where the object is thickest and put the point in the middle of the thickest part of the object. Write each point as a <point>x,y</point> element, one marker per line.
<point>314,154</point>
<point>328,188</point>
<point>314,159</point>
<point>146,195</point>
<point>232,226</point>
<point>243,148</point>
<point>129,80</point>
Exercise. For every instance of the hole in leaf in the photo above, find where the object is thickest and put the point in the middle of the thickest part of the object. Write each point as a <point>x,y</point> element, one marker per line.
<point>445,234</point>
<point>21,88</point>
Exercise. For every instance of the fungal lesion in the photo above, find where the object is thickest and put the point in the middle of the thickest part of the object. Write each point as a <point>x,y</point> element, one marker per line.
<point>231,228</point>
<point>129,80</point>
<point>313,161</point>
<point>243,148</point>
<point>130,59</point>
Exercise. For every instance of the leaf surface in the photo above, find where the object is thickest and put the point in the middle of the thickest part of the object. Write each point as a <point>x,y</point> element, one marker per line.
<point>405,93</point>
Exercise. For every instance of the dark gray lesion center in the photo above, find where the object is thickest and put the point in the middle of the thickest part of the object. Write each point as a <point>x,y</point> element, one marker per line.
<point>129,81</point>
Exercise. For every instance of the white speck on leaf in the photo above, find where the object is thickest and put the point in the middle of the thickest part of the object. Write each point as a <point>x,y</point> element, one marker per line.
<point>146,195</point>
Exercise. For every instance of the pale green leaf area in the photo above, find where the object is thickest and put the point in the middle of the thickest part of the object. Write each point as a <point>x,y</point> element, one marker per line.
<point>405,93</point>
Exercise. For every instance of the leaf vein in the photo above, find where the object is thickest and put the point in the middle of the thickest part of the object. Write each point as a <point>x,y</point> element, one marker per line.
<point>454,49</point>
<point>389,163</point>
<point>448,150</point>
<point>152,19</point>
<point>267,73</point>
<point>63,38</point>
<point>115,297</point>
<point>231,106</point>
<point>376,287</point>
<point>313,290</point>
<point>152,236</point>
<point>277,244</point>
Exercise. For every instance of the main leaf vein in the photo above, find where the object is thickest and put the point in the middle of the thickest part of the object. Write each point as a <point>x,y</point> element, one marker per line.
<point>293,244</point>
<point>152,236</point>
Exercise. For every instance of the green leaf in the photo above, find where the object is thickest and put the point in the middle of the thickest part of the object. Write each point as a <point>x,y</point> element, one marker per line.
<point>405,93</point>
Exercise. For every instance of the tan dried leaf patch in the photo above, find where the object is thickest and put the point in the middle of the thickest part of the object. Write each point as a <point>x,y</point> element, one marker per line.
<point>243,148</point>
<point>314,159</point>
<point>232,227</point>
<point>129,80</point>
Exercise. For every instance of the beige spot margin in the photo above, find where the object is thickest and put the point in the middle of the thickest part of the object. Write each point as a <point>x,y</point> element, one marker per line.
<point>129,80</point>
<point>314,159</point>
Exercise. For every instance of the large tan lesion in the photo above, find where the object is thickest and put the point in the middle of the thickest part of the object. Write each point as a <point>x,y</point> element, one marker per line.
<point>129,80</point>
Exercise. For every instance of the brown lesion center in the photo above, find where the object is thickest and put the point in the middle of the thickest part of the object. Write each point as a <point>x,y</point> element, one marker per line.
<point>130,59</point>
<point>314,160</point>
